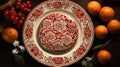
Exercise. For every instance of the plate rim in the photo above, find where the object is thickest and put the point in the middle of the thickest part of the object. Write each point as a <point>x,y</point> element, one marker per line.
<point>77,6</point>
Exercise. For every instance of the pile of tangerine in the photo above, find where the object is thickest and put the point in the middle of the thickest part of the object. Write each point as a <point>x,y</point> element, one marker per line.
<point>106,15</point>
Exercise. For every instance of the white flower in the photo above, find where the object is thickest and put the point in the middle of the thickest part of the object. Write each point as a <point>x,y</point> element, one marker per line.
<point>22,48</point>
<point>15,51</point>
<point>88,58</point>
<point>16,43</point>
<point>84,62</point>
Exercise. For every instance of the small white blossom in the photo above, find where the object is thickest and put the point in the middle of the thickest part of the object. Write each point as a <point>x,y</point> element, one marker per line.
<point>16,43</point>
<point>22,48</point>
<point>88,58</point>
<point>15,51</point>
<point>84,62</point>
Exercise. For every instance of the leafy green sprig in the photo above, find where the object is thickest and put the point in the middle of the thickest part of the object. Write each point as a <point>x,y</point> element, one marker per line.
<point>90,61</point>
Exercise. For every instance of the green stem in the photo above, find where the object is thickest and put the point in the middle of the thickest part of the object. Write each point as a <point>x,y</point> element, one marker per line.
<point>92,57</point>
<point>107,42</point>
<point>102,47</point>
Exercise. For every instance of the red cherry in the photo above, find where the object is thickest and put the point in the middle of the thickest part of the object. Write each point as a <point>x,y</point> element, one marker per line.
<point>25,9</point>
<point>18,3</point>
<point>12,17</point>
<point>23,18</point>
<point>19,14</point>
<point>6,12</point>
<point>28,10</point>
<point>12,11</point>
<point>16,19</point>
<point>22,6</point>
<point>18,7</point>
<point>23,15</point>
<point>20,22</point>
<point>12,8</point>
<point>29,5</point>
<point>28,2</point>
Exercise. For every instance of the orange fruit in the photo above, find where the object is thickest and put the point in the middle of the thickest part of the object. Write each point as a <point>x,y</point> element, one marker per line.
<point>103,56</point>
<point>106,14</point>
<point>93,7</point>
<point>10,34</point>
<point>114,26</point>
<point>101,31</point>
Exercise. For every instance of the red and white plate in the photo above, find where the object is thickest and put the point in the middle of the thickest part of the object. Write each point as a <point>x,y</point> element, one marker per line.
<point>58,33</point>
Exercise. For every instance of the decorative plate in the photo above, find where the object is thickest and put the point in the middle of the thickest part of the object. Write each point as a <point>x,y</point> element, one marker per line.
<point>58,33</point>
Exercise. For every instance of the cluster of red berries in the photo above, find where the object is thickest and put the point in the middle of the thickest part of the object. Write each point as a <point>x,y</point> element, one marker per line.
<point>25,6</point>
<point>17,13</point>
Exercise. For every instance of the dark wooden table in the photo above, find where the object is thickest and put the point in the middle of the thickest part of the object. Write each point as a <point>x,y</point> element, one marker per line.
<point>7,59</point>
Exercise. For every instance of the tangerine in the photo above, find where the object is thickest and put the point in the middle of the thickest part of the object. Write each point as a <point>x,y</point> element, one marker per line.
<point>106,14</point>
<point>10,34</point>
<point>103,56</point>
<point>93,7</point>
<point>101,31</point>
<point>114,26</point>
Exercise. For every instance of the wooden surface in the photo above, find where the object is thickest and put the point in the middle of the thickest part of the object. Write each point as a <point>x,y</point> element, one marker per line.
<point>7,59</point>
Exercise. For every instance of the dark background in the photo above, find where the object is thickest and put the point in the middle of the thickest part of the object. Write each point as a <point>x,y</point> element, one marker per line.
<point>7,59</point>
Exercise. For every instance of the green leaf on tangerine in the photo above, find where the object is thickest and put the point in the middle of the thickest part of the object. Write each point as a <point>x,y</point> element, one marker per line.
<point>97,46</point>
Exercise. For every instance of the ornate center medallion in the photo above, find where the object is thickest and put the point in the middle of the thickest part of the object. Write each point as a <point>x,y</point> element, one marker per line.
<point>57,33</point>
